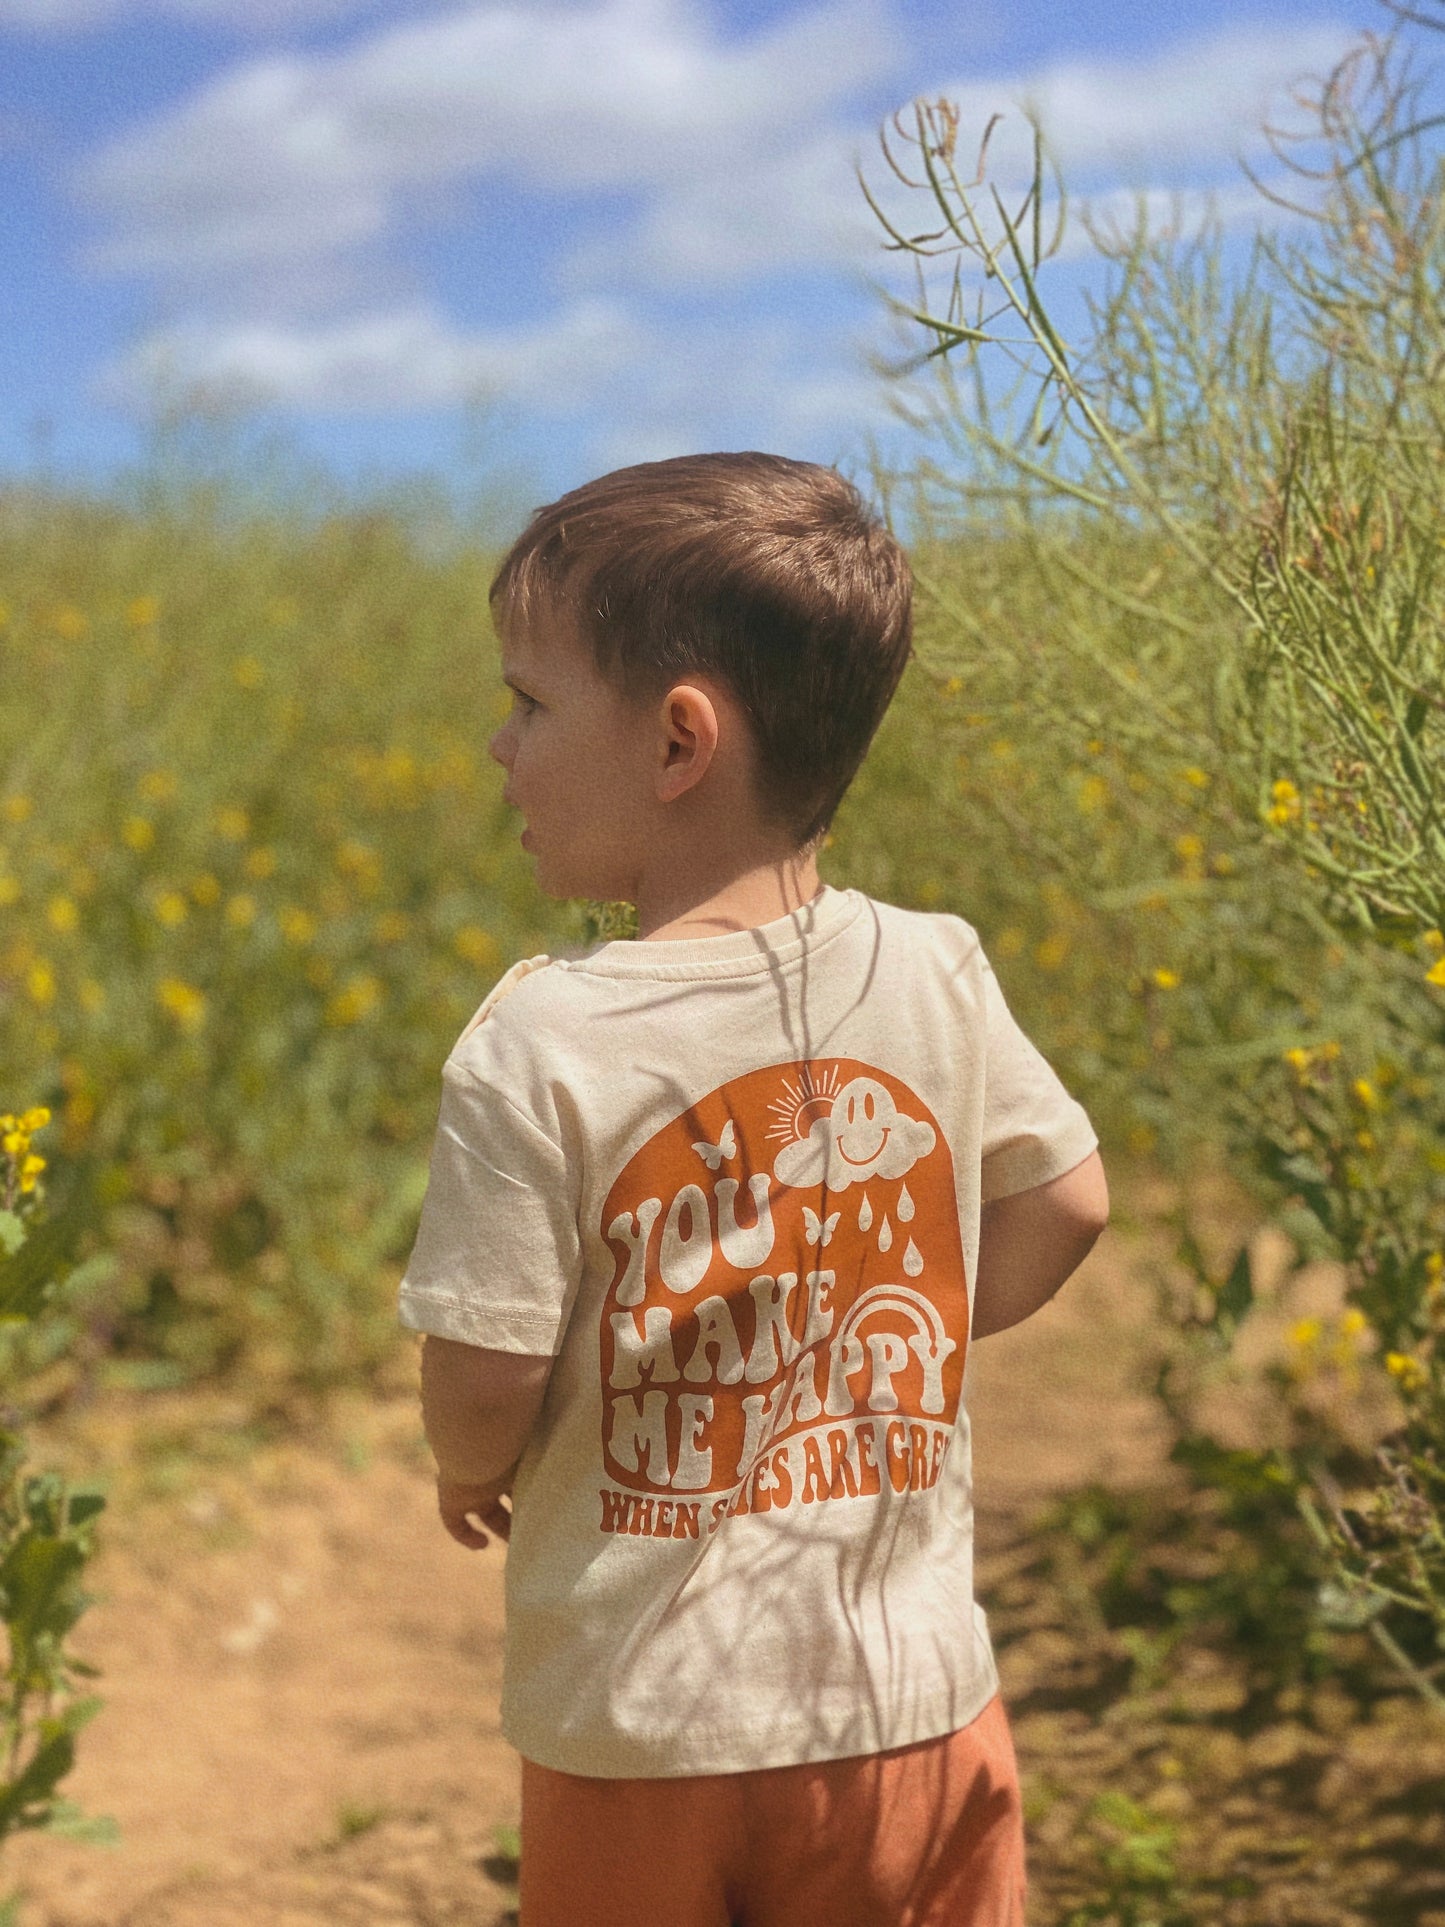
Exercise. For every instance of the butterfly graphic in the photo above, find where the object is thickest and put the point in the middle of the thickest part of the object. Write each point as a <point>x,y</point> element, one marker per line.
<point>819,1230</point>
<point>712,1155</point>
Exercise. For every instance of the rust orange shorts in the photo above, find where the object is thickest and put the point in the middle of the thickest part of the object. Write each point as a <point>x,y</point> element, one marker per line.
<point>929,1835</point>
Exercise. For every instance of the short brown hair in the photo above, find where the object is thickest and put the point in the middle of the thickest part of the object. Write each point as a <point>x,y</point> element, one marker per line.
<point>771,575</point>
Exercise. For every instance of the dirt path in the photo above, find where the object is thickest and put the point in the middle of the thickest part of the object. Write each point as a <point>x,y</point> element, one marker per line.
<point>300,1671</point>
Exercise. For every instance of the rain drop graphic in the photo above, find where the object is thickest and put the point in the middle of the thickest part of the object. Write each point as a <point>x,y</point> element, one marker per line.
<point>865,1214</point>
<point>905,1206</point>
<point>885,1234</point>
<point>912,1260</point>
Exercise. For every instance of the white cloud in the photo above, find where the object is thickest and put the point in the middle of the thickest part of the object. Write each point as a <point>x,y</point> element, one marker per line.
<point>385,363</point>
<point>1191,104</point>
<point>250,17</point>
<point>285,187</point>
<point>1178,114</point>
<point>293,155</point>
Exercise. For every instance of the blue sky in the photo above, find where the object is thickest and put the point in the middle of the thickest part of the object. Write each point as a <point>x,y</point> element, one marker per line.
<point>553,235</point>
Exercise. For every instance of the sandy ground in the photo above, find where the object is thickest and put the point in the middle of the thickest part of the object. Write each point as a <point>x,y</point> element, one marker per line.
<point>300,1670</point>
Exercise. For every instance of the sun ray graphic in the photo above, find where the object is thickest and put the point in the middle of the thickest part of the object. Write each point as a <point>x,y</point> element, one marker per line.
<point>803,1101</point>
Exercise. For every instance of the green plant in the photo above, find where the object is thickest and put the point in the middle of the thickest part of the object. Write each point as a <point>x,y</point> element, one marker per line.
<point>1227,500</point>
<point>46,1540</point>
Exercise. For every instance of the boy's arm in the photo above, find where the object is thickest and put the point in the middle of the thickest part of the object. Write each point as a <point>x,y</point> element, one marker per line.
<point>1029,1243</point>
<point>478,1408</point>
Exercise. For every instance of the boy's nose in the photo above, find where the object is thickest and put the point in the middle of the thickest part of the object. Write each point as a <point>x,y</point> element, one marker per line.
<point>499,749</point>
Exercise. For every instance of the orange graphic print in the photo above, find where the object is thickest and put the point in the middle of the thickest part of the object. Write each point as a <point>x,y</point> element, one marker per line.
<point>788,1315</point>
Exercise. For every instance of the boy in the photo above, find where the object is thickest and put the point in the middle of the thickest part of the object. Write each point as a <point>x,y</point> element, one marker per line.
<point>712,1218</point>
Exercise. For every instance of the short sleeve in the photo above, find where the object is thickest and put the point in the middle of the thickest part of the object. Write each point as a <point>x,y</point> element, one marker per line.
<point>497,1256</point>
<point>1032,1129</point>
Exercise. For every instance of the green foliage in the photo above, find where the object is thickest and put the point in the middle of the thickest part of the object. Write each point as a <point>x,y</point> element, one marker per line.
<point>1133,1851</point>
<point>255,873</point>
<point>46,1539</point>
<point>1184,577</point>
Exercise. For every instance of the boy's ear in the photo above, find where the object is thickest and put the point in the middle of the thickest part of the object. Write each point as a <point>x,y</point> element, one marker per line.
<point>689,739</point>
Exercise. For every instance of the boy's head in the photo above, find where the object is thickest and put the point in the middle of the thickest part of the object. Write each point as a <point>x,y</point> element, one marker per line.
<point>762,582</point>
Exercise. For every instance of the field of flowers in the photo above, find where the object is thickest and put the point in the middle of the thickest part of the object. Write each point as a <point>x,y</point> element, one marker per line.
<point>1173,742</point>
<point>256,872</point>
<point>254,875</point>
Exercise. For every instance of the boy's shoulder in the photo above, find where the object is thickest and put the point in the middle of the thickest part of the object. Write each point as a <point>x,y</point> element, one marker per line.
<point>519,1005</point>
<point>540,998</point>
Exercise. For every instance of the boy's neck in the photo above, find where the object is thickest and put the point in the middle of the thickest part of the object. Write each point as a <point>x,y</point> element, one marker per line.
<point>691,906</point>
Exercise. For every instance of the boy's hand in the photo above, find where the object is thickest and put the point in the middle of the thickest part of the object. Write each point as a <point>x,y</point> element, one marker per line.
<point>455,1501</point>
<point>479,1408</point>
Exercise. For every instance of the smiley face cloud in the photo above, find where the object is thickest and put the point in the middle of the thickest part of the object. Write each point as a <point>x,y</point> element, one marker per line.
<point>864,1135</point>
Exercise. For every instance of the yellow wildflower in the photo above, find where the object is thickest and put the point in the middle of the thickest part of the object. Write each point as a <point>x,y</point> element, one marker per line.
<point>1285,807</point>
<point>357,998</point>
<point>356,859</point>
<point>233,823</point>
<point>9,891</point>
<point>1305,1332</point>
<point>297,926</point>
<point>62,915</point>
<point>1093,794</point>
<point>1299,1058</point>
<point>142,611</point>
<point>68,622</point>
<point>247,672</point>
<point>157,786</point>
<point>475,945</point>
<point>953,686</point>
<point>36,1118</point>
<point>16,808</point>
<point>1052,952</point>
<point>260,863</point>
<point>139,832</point>
<point>1189,848</point>
<point>1197,778</point>
<point>1406,1370</point>
<point>1366,1094</point>
<point>1166,978</point>
<point>183,1002</point>
<point>391,926</point>
<point>1353,1322</point>
<point>206,889</point>
<point>170,908</point>
<point>1436,973</point>
<point>1434,942</point>
<point>40,983</point>
<point>241,911</point>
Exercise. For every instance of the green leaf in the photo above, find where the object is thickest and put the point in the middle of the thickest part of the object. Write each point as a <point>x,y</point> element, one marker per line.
<point>1236,1294</point>
<point>23,1801</point>
<point>28,1272</point>
<point>72,1822</point>
<point>35,1581</point>
<point>12,1232</point>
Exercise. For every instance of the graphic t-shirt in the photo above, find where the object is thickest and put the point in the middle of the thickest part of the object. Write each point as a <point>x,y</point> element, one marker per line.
<point>733,1184</point>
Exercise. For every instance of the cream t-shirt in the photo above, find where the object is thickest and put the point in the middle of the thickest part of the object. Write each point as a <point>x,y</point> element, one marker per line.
<point>733,1184</point>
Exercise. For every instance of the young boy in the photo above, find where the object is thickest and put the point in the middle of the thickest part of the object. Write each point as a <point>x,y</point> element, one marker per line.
<point>713,1216</point>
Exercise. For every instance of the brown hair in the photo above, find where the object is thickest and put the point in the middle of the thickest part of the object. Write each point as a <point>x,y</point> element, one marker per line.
<point>771,575</point>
